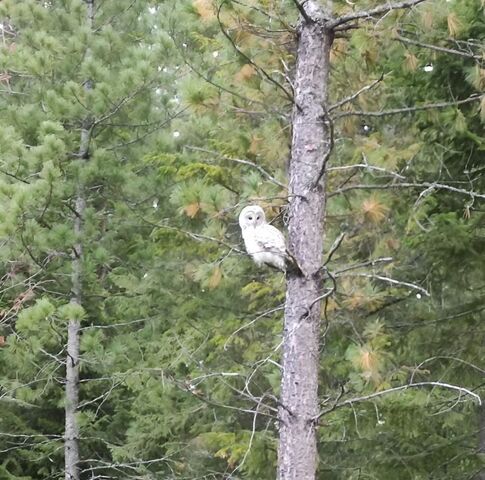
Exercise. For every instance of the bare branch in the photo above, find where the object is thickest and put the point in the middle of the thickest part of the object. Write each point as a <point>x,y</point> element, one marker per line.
<point>250,443</point>
<point>369,263</point>
<point>437,186</point>
<point>199,237</point>
<point>438,49</point>
<point>393,281</point>
<point>334,247</point>
<point>334,406</point>
<point>356,94</point>
<point>121,103</point>
<point>194,236</point>
<point>254,320</point>
<point>366,166</point>
<point>14,176</point>
<point>446,357</point>
<point>242,162</point>
<point>148,132</point>
<point>330,291</point>
<point>368,14</point>
<point>396,111</point>
<point>302,11</point>
<point>364,398</point>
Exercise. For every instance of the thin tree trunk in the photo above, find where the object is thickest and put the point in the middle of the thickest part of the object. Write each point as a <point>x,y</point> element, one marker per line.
<point>311,144</point>
<point>71,433</point>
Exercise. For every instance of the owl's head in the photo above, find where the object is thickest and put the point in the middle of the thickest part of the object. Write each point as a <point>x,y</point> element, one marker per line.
<point>251,216</point>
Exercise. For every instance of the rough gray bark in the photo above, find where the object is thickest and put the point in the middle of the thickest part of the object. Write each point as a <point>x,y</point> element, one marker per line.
<point>71,430</point>
<point>311,145</point>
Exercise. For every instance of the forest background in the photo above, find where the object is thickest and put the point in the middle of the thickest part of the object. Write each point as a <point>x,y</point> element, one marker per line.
<point>134,331</point>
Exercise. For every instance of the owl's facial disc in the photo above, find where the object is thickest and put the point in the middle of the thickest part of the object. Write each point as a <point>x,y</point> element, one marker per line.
<point>251,216</point>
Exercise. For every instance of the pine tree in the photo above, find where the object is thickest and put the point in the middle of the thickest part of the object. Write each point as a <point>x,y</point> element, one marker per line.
<point>80,104</point>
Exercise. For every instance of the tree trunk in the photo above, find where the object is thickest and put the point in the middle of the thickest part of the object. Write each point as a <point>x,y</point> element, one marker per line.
<point>311,144</point>
<point>71,433</point>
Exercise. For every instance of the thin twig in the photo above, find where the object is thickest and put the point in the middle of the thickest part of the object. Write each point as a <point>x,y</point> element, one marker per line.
<point>396,111</point>
<point>356,94</point>
<point>251,438</point>
<point>366,166</point>
<point>391,280</point>
<point>199,237</point>
<point>368,14</point>
<point>445,357</point>
<point>334,247</point>
<point>14,176</point>
<point>254,320</point>
<point>437,186</point>
<point>369,263</point>
<point>437,48</point>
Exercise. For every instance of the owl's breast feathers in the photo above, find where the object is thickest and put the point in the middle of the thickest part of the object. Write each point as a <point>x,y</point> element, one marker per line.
<point>266,245</point>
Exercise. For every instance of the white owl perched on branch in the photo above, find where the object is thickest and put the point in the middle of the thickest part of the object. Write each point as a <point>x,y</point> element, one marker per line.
<point>265,244</point>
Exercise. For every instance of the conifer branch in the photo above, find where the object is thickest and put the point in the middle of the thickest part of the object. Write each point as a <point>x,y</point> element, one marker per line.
<point>368,14</point>
<point>29,251</point>
<point>240,161</point>
<point>397,111</point>
<point>248,59</point>
<point>157,127</point>
<point>118,106</point>
<point>261,11</point>
<point>14,176</point>
<point>219,86</point>
<point>199,237</point>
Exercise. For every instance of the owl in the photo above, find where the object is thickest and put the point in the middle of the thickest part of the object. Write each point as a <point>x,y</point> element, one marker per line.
<point>265,244</point>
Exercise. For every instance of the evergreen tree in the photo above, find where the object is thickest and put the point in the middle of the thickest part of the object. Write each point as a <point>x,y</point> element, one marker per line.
<point>81,102</point>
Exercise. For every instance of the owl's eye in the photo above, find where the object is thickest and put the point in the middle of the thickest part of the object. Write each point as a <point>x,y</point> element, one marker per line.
<point>258,217</point>
<point>250,218</point>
